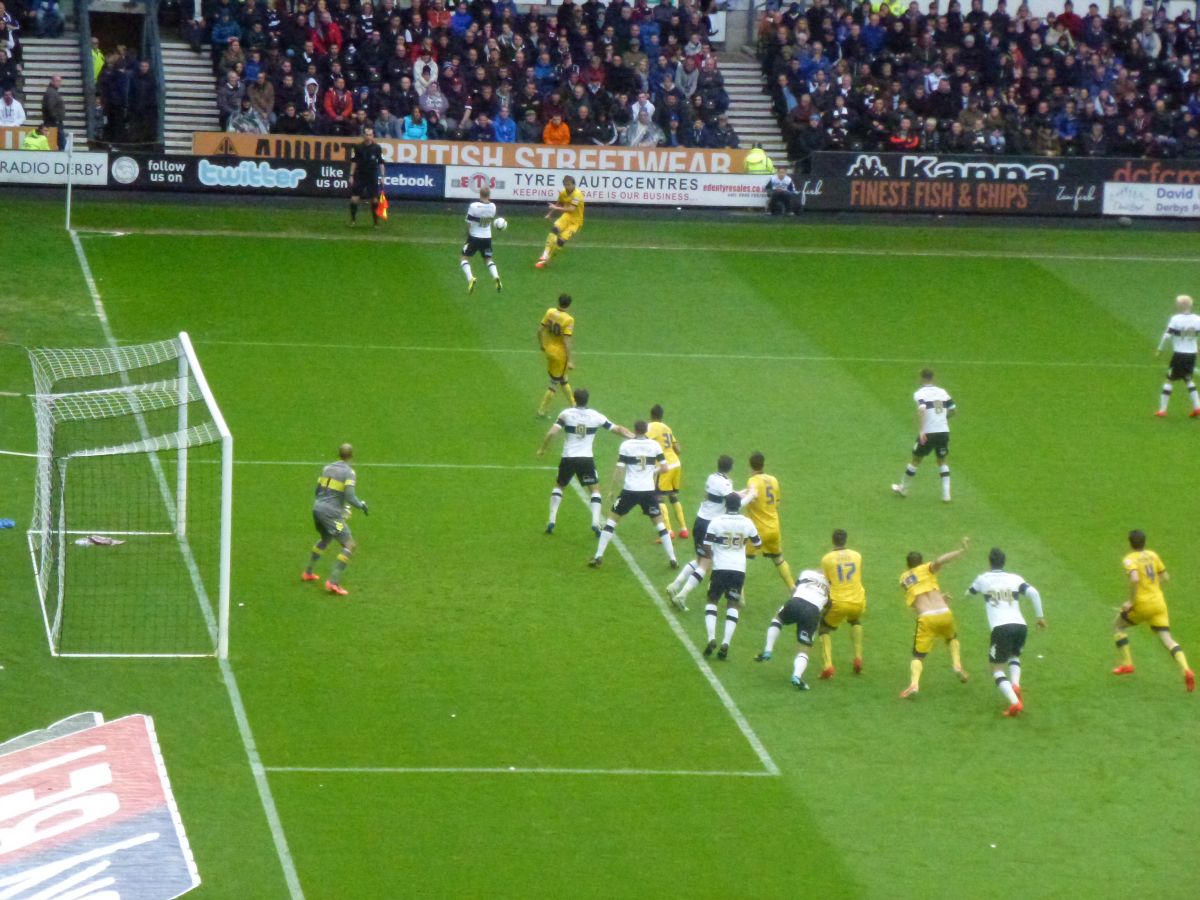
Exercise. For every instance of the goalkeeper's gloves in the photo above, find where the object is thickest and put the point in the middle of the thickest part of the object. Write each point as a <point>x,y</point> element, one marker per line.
<point>363,506</point>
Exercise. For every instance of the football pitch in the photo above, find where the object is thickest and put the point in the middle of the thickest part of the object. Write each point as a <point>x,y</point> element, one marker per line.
<point>484,715</point>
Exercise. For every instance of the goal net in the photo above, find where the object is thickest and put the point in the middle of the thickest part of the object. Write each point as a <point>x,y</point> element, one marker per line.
<point>130,533</point>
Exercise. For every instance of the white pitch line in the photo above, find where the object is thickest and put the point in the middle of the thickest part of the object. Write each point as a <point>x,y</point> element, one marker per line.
<point>393,465</point>
<point>506,770</point>
<point>19,453</point>
<point>723,695</point>
<point>231,687</point>
<point>726,357</point>
<point>662,248</point>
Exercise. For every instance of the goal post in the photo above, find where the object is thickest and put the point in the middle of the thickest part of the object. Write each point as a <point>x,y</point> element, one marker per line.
<point>132,523</point>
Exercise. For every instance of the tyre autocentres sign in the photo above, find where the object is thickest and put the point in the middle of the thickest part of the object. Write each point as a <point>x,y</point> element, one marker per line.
<point>620,187</point>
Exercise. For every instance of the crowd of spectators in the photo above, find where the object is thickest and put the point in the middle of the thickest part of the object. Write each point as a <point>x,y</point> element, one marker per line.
<point>844,76</point>
<point>126,97</point>
<point>591,73</point>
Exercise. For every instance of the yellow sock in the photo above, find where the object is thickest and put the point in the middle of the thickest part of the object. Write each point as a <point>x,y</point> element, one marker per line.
<point>785,572</point>
<point>827,650</point>
<point>545,404</point>
<point>569,392</point>
<point>1123,649</point>
<point>665,508</point>
<point>916,667</point>
<point>1177,652</point>
<point>678,507</point>
<point>551,244</point>
<point>856,635</point>
<point>955,654</point>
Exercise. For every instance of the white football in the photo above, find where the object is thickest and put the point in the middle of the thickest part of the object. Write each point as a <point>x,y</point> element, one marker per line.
<point>500,223</point>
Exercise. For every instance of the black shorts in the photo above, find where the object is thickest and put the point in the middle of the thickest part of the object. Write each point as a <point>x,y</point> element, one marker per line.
<point>482,246</point>
<point>699,533</point>
<point>726,583</point>
<point>364,187</point>
<point>1182,366</point>
<point>628,500</point>
<point>938,443</point>
<point>581,467</point>
<point>1007,642</point>
<point>804,616</point>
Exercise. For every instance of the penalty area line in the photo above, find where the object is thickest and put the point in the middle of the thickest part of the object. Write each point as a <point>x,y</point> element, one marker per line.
<point>723,695</point>
<point>396,465</point>
<point>506,770</point>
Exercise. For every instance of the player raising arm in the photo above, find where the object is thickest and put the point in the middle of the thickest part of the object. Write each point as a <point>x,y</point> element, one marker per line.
<point>1002,592</point>
<point>637,461</point>
<point>569,208</point>
<point>924,597</point>
<point>334,498</point>
<point>579,425</point>
<point>1146,603</point>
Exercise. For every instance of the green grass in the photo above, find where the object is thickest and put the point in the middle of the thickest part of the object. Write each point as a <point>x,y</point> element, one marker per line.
<point>473,641</point>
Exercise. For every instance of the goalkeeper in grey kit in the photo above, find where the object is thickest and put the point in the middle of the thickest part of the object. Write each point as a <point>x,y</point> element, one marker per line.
<point>335,496</point>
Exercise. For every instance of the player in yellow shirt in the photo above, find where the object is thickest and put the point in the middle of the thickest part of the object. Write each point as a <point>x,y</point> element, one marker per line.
<point>847,600</point>
<point>569,206</point>
<point>761,504</point>
<point>667,483</point>
<point>924,597</point>
<point>1146,603</point>
<point>556,338</point>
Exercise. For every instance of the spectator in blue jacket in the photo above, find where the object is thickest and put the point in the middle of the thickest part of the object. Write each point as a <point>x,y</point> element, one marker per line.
<point>504,128</point>
<point>461,20</point>
<point>415,127</point>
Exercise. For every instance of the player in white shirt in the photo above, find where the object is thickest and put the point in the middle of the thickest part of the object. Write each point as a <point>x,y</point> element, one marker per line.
<point>934,409</point>
<point>726,539</point>
<point>480,216</point>
<point>638,459</point>
<point>803,610</point>
<point>716,487</point>
<point>1002,592</point>
<point>1181,331</point>
<point>579,425</point>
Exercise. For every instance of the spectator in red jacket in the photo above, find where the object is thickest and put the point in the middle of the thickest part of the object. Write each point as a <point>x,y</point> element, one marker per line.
<point>326,34</point>
<point>339,108</point>
<point>1070,21</point>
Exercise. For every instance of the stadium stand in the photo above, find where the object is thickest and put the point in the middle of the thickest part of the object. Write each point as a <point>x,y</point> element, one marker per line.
<point>895,77</point>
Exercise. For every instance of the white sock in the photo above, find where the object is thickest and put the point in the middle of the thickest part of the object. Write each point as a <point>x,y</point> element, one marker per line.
<point>1166,397</point>
<point>1006,688</point>
<point>944,471</point>
<point>688,568</point>
<point>466,267</point>
<point>697,577</point>
<point>665,537</point>
<point>773,635</point>
<point>710,621</point>
<point>606,535</point>
<point>555,500</point>
<point>1014,672</point>
<point>1195,396</point>
<point>596,510</point>
<point>492,270</point>
<point>910,472</point>
<point>800,664</point>
<point>731,622</point>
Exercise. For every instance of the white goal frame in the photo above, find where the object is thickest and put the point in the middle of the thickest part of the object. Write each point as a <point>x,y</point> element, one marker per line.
<point>49,525</point>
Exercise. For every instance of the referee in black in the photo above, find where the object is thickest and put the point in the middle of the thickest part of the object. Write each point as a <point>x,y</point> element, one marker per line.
<point>366,164</point>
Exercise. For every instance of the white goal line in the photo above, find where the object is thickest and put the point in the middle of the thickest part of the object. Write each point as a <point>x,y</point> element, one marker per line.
<point>508,770</point>
<point>395,465</point>
<point>661,248</point>
<point>718,357</point>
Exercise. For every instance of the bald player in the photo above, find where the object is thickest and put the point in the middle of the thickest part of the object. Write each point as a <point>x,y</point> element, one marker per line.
<point>331,508</point>
<point>1182,329</point>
